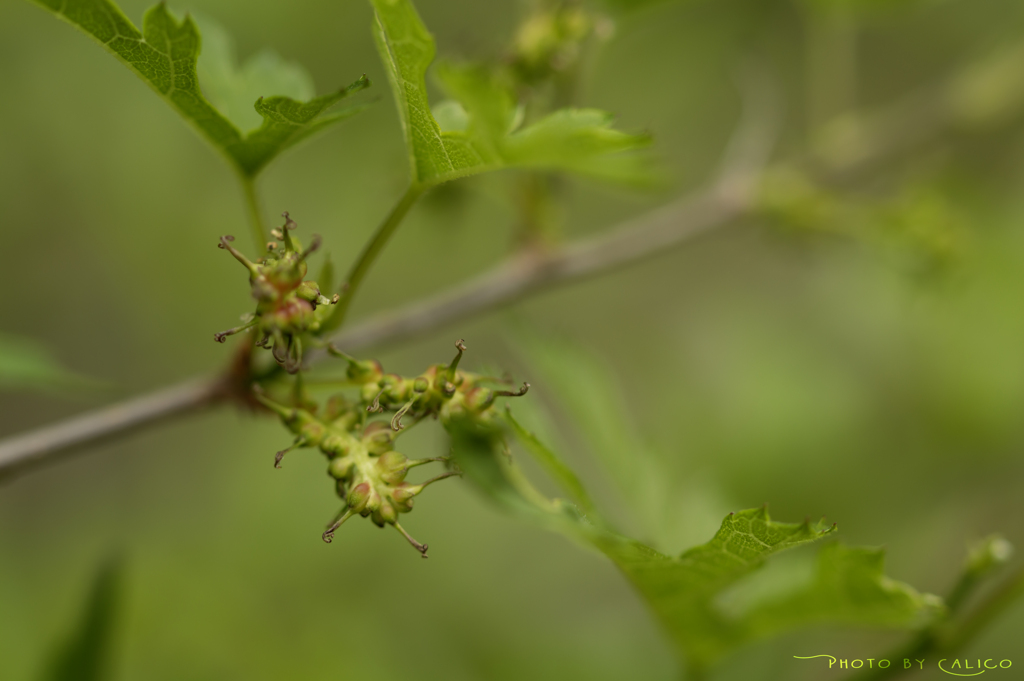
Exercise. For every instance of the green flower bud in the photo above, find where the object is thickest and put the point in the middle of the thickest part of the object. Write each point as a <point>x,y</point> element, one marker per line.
<point>340,468</point>
<point>373,502</point>
<point>369,392</point>
<point>385,514</point>
<point>359,497</point>
<point>403,494</point>
<point>313,432</point>
<point>396,390</point>
<point>309,291</point>
<point>479,399</point>
<point>341,413</point>
<point>392,467</point>
<point>988,554</point>
<point>378,437</point>
<point>336,445</point>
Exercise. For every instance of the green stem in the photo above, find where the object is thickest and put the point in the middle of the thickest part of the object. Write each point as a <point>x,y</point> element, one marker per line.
<point>370,252</point>
<point>259,231</point>
<point>541,223</point>
<point>993,606</point>
<point>946,637</point>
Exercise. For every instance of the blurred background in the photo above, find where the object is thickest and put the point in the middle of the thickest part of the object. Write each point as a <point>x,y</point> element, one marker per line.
<point>857,353</point>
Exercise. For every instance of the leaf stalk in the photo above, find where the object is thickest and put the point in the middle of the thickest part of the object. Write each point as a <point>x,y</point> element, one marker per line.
<point>371,250</point>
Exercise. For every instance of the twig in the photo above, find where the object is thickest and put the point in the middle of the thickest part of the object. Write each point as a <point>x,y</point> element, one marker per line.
<point>19,453</point>
<point>994,605</point>
<point>953,636</point>
<point>732,195</point>
<point>370,252</point>
<point>671,225</point>
<point>252,206</point>
<point>528,273</point>
<point>729,198</point>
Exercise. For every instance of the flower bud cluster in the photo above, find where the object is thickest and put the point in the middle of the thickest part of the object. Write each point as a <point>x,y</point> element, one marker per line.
<point>442,391</point>
<point>287,306</point>
<point>550,41</point>
<point>369,473</point>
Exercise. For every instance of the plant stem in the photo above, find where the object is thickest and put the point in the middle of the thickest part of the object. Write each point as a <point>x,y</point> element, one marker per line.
<point>252,202</point>
<point>994,605</point>
<point>19,453</point>
<point>890,131</point>
<point>370,252</point>
<point>947,637</point>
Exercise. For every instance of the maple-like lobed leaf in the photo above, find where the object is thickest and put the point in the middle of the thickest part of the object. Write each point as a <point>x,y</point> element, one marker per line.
<point>849,588</point>
<point>164,55</point>
<point>684,592</point>
<point>579,141</point>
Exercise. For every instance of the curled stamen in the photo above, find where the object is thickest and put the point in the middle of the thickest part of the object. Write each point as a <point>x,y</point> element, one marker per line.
<point>396,420</point>
<point>289,225</point>
<point>460,346</point>
<point>280,349</point>
<point>375,407</point>
<point>518,393</point>
<point>436,478</point>
<point>225,243</point>
<point>422,548</point>
<point>328,534</point>
<point>280,455</point>
<point>313,246</point>
<point>422,462</point>
<point>223,335</point>
<point>293,362</point>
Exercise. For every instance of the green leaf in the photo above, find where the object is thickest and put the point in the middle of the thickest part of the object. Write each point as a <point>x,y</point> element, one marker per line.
<point>587,390</point>
<point>232,89</point>
<point>164,54</point>
<point>682,591</point>
<point>86,655</point>
<point>686,592</point>
<point>25,364</point>
<point>580,141</point>
<point>553,466</point>
<point>850,588</point>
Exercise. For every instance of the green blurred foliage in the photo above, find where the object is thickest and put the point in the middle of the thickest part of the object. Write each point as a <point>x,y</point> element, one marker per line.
<point>165,54</point>
<point>88,653</point>
<point>25,366</point>
<point>485,135</point>
<point>809,372</point>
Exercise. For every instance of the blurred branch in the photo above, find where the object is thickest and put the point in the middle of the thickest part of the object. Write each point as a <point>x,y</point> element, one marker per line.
<point>982,94</point>
<point>950,639</point>
<point>645,236</point>
<point>732,195</point>
<point>531,272</point>
<point>22,452</point>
